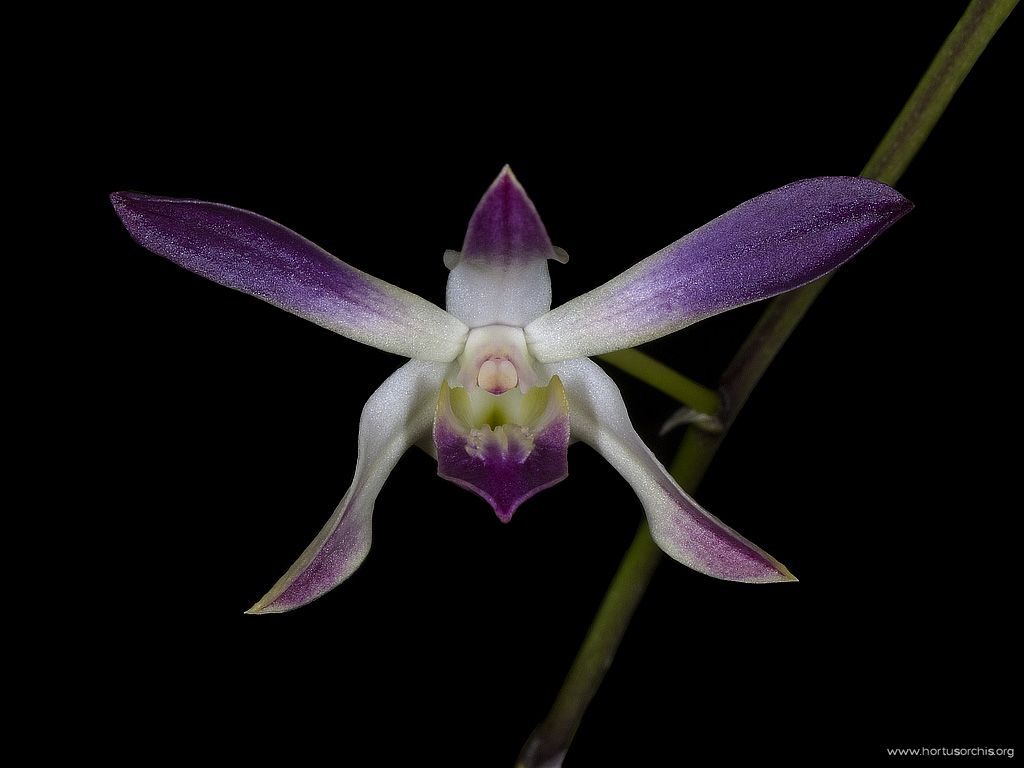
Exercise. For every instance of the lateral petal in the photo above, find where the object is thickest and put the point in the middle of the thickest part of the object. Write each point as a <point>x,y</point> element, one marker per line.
<point>679,525</point>
<point>778,241</point>
<point>395,417</point>
<point>257,256</point>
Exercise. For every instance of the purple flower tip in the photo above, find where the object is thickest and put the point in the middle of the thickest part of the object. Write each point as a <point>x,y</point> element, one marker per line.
<point>136,210</point>
<point>125,202</point>
<point>505,227</point>
<point>122,203</point>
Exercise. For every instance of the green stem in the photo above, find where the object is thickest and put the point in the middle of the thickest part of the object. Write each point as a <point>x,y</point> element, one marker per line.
<point>548,744</point>
<point>665,379</point>
<point>929,100</point>
<point>550,741</point>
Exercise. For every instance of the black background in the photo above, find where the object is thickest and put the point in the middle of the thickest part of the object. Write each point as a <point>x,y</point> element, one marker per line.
<point>868,460</point>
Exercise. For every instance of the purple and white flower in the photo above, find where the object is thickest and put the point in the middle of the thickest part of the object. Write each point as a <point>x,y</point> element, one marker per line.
<point>498,385</point>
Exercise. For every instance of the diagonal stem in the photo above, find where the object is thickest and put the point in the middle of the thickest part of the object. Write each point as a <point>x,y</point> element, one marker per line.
<point>550,741</point>
<point>929,100</point>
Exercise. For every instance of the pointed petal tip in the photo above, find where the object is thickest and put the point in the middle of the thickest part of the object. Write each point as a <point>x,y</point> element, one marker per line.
<point>123,199</point>
<point>770,572</point>
<point>785,574</point>
<point>504,514</point>
<point>265,605</point>
<point>120,201</point>
<point>131,209</point>
<point>880,191</point>
<point>505,227</point>
<point>506,179</point>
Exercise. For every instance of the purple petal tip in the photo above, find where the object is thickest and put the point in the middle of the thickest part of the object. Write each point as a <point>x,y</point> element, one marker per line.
<point>254,255</point>
<point>121,202</point>
<point>125,202</point>
<point>505,227</point>
<point>776,242</point>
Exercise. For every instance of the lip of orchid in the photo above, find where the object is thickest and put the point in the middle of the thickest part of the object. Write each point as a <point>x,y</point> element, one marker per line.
<point>498,380</point>
<point>505,448</point>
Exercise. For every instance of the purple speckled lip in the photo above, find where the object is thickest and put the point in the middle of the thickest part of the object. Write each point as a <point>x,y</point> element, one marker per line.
<point>509,464</point>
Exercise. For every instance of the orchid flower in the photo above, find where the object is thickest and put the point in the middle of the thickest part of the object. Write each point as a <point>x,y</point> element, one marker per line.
<point>500,384</point>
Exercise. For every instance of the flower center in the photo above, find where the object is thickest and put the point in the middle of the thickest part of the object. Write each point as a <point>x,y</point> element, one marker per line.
<point>496,360</point>
<point>497,375</point>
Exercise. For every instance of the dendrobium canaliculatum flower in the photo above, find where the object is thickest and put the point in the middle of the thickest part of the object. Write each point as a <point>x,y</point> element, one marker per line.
<point>500,384</point>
